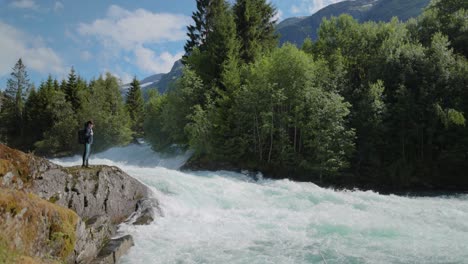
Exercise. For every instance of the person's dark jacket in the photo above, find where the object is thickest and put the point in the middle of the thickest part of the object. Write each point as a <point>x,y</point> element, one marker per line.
<point>89,136</point>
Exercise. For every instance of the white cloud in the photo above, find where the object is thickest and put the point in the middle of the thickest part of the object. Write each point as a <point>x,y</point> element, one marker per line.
<point>33,50</point>
<point>124,77</point>
<point>148,61</point>
<point>312,6</point>
<point>24,4</point>
<point>128,29</point>
<point>279,16</point>
<point>295,9</point>
<point>122,31</point>
<point>58,6</point>
<point>85,55</point>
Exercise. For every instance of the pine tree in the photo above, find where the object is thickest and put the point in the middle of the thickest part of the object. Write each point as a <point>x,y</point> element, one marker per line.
<point>71,90</point>
<point>39,110</point>
<point>135,106</point>
<point>2,97</point>
<point>56,85</point>
<point>197,33</point>
<point>221,44</point>
<point>12,114</point>
<point>255,28</point>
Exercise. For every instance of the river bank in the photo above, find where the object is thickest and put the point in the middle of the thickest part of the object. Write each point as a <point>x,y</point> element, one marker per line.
<point>81,209</point>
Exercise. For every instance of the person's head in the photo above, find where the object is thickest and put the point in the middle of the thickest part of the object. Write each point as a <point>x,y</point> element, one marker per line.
<point>90,124</point>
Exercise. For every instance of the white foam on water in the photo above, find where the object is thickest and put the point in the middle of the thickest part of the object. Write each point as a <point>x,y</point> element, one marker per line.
<point>226,217</point>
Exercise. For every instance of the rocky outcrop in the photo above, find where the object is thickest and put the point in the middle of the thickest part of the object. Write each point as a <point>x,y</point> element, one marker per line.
<point>101,196</point>
<point>95,191</point>
<point>115,249</point>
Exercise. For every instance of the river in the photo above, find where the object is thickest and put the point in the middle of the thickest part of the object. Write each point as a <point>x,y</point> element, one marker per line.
<point>226,217</point>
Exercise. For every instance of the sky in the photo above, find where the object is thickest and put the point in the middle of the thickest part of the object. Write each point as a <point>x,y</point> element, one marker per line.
<point>126,38</point>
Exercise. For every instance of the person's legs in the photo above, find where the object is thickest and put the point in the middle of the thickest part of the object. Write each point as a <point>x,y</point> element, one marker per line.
<point>84,155</point>
<point>87,152</point>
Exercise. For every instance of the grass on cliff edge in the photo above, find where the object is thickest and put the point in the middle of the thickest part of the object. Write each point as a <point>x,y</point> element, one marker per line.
<point>35,227</point>
<point>15,161</point>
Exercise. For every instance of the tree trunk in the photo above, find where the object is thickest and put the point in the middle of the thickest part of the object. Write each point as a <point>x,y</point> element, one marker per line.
<point>271,135</point>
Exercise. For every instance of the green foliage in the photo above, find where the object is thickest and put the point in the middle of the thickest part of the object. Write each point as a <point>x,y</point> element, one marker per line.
<point>308,46</point>
<point>47,120</point>
<point>385,102</point>
<point>255,28</point>
<point>71,90</point>
<point>220,48</point>
<point>167,115</point>
<point>405,96</point>
<point>199,130</point>
<point>197,33</point>
<point>291,121</point>
<point>60,136</point>
<point>135,107</point>
<point>12,112</point>
<point>153,125</point>
<point>447,17</point>
<point>106,108</point>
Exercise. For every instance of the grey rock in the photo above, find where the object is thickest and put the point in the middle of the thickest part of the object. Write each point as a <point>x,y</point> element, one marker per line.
<point>7,179</point>
<point>145,213</point>
<point>102,196</point>
<point>115,249</point>
<point>95,233</point>
<point>92,192</point>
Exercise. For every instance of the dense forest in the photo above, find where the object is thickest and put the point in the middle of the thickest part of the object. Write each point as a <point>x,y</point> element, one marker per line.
<point>372,105</point>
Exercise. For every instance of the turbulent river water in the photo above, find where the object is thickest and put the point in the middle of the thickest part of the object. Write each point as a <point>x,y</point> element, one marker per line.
<point>227,217</point>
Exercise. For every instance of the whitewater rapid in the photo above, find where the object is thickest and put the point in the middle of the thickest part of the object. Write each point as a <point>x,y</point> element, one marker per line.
<point>227,217</point>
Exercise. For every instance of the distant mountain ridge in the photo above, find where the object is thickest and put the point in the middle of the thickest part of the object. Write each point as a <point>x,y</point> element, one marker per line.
<point>153,78</point>
<point>164,83</point>
<point>160,81</point>
<point>296,30</point>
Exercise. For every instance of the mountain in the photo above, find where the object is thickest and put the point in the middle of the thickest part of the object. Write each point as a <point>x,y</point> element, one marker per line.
<point>295,30</point>
<point>153,78</point>
<point>164,83</point>
<point>160,81</point>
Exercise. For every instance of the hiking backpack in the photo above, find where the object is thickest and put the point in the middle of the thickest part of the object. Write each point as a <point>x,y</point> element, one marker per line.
<point>82,136</point>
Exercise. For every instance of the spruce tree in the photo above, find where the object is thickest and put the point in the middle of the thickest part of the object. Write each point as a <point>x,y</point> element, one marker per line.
<point>197,33</point>
<point>221,47</point>
<point>71,90</point>
<point>56,85</point>
<point>255,28</point>
<point>12,114</point>
<point>1,100</point>
<point>135,106</point>
<point>221,42</point>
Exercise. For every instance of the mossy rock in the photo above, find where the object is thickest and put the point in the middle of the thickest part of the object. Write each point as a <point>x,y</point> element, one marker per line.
<point>36,228</point>
<point>16,162</point>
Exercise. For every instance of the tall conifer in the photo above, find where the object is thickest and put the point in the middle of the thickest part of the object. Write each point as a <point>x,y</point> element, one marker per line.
<point>135,106</point>
<point>12,115</point>
<point>255,28</point>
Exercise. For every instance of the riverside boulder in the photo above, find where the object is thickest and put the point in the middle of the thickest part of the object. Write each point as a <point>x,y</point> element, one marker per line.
<point>101,196</point>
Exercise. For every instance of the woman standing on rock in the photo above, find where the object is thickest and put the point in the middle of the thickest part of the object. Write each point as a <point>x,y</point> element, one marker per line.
<point>87,142</point>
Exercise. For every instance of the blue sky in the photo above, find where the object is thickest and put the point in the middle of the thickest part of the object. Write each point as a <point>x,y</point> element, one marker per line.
<point>126,38</point>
